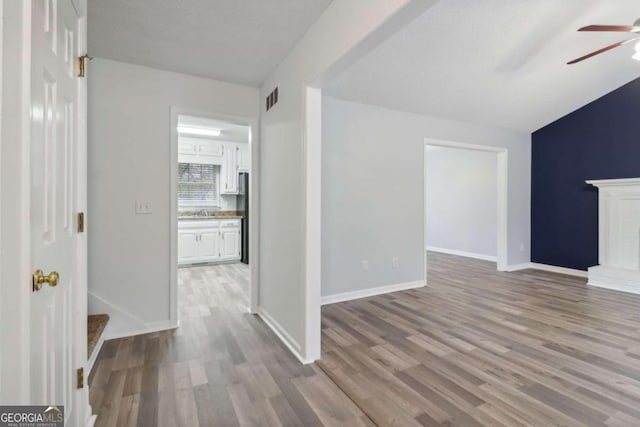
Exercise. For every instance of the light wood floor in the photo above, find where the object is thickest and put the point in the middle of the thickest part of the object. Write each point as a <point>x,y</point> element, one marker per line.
<point>479,347</point>
<point>222,367</point>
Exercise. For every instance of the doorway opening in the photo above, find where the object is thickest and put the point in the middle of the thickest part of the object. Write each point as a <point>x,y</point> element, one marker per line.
<point>214,209</point>
<point>465,202</point>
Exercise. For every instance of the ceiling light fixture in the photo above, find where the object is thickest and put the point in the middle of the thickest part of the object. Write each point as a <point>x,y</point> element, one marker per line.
<point>189,130</point>
<point>636,56</point>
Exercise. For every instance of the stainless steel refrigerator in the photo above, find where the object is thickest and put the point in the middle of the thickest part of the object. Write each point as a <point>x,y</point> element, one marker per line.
<point>243,209</point>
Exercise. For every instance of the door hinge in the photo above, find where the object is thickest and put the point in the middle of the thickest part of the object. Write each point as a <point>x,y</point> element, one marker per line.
<point>80,378</point>
<point>82,64</point>
<point>80,222</point>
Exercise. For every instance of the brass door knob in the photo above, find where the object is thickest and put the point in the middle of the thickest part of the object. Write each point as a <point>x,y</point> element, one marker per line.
<point>39,278</point>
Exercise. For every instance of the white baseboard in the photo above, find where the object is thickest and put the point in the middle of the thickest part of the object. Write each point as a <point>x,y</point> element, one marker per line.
<point>292,344</point>
<point>517,267</point>
<point>96,350</point>
<point>122,323</point>
<point>148,329</point>
<point>463,253</point>
<point>616,279</point>
<point>549,268</point>
<point>364,293</point>
<point>559,270</point>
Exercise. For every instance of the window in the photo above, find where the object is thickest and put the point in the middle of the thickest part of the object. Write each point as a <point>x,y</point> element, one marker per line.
<point>198,184</point>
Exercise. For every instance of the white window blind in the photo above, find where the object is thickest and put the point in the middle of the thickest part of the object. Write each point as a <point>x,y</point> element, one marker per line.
<point>198,184</point>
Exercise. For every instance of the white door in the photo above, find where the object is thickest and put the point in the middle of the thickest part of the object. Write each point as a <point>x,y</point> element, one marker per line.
<point>230,244</point>
<point>209,249</point>
<point>187,246</point>
<point>54,238</point>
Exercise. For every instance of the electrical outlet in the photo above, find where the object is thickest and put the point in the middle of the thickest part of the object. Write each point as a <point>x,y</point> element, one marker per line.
<point>143,207</point>
<point>395,262</point>
<point>522,248</point>
<point>365,265</point>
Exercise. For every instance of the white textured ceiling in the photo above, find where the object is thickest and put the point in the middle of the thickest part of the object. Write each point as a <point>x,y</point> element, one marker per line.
<point>496,62</point>
<point>238,41</point>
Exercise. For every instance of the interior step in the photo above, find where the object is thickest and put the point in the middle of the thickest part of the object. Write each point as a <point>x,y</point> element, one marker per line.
<point>95,327</point>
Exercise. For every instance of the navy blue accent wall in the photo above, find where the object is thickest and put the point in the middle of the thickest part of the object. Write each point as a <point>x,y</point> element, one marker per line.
<point>599,141</point>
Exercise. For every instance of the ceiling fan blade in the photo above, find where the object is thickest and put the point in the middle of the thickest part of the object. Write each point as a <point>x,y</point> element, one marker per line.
<point>615,28</point>
<point>604,49</point>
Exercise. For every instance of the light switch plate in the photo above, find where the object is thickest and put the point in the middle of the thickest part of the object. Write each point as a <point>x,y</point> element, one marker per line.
<point>143,207</point>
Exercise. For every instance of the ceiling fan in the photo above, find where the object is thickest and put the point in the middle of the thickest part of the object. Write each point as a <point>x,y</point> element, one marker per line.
<point>634,29</point>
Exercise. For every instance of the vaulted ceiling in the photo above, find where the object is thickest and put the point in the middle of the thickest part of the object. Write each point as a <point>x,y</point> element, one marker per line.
<point>238,41</point>
<point>496,62</point>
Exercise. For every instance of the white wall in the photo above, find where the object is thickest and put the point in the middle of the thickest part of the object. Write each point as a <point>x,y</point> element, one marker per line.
<point>373,192</point>
<point>129,158</point>
<point>462,200</point>
<point>343,33</point>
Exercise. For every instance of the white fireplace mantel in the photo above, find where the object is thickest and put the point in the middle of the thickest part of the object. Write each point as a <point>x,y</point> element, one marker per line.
<point>618,235</point>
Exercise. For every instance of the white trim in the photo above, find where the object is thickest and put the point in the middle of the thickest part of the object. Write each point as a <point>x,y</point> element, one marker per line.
<point>254,206</point>
<point>94,354</point>
<point>559,270</point>
<point>463,253</point>
<point>517,267</point>
<point>613,182</point>
<point>121,322</point>
<point>292,344</point>
<point>1,118</point>
<point>616,279</point>
<point>85,410</point>
<point>502,178</point>
<point>547,267</point>
<point>312,173</point>
<point>148,329</point>
<point>15,297</point>
<point>365,293</point>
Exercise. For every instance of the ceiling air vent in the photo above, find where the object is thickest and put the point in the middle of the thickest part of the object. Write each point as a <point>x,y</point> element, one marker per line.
<point>272,99</point>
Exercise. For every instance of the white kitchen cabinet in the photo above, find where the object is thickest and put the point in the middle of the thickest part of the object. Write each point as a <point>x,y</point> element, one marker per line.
<point>209,245</point>
<point>188,146</point>
<point>201,241</point>
<point>229,170</point>
<point>244,157</point>
<point>229,244</point>
<point>200,150</point>
<point>211,151</point>
<point>187,246</point>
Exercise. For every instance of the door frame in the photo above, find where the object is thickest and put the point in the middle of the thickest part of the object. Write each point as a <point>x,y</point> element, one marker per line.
<point>502,229</point>
<point>15,301</point>
<point>254,205</point>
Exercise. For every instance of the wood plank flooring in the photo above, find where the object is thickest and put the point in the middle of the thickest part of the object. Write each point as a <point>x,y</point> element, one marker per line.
<point>222,367</point>
<point>480,347</point>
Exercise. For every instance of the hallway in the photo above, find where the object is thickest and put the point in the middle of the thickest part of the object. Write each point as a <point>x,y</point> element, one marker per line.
<point>222,367</point>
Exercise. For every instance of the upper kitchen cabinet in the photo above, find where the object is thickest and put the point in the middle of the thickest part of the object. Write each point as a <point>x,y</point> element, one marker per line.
<point>244,157</point>
<point>200,150</point>
<point>229,170</point>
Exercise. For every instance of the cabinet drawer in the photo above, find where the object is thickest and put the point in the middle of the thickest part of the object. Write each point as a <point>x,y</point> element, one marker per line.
<point>229,223</point>
<point>191,224</point>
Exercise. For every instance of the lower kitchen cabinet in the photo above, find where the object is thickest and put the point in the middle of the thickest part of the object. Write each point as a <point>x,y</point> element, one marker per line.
<point>230,244</point>
<point>201,241</point>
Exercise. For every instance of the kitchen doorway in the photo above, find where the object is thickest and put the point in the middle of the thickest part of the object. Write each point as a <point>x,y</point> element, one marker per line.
<point>214,204</point>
